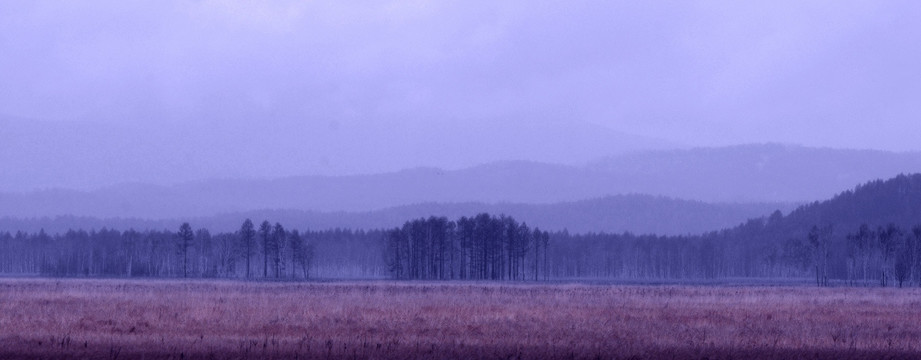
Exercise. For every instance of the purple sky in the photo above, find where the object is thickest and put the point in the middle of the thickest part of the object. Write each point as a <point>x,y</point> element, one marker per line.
<point>820,73</point>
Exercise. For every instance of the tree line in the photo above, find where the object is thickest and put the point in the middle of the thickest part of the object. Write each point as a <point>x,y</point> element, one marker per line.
<point>163,253</point>
<point>888,255</point>
<point>882,255</point>
<point>868,236</point>
<point>482,247</point>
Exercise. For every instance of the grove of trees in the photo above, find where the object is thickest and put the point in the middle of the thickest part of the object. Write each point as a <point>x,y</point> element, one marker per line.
<point>157,253</point>
<point>482,247</point>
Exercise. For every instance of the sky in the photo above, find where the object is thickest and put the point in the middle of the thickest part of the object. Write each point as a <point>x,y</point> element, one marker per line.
<point>838,74</point>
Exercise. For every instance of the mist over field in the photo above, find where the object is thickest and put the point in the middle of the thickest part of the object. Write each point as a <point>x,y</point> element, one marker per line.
<point>471,179</point>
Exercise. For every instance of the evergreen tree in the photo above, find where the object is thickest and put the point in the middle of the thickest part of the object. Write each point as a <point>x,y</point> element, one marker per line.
<point>265,232</point>
<point>279,238</point>
<point>247,236</point>
<point>185,239</point>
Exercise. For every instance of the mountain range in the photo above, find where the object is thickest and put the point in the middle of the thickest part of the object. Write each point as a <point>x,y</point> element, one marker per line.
<point>767,173</point>
<point>614,214</point>
<point>92,155</point>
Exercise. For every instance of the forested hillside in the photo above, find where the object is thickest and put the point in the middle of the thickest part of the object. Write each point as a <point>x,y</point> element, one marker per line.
<point>871,234</point>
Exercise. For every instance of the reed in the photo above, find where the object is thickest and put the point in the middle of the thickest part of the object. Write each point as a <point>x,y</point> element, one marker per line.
<point>46,318</point>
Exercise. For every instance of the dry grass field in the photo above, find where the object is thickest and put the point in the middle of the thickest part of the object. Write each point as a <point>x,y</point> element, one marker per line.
<point>122,319</point>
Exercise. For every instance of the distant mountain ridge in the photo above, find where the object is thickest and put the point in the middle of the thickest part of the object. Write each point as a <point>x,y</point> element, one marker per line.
<point>623,213</point>
<point>753,173</point>
<point>91,155</point>
<point>756,172</point>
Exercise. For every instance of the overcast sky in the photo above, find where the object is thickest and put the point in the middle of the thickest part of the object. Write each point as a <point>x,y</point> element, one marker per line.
<point>823,73</point>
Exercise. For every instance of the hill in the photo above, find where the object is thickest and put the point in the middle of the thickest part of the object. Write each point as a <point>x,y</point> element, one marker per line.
<point>633,213</point>
<point>91,155</point>
<point>822,242</point>
<point>895,201</point>
<point>743,174</point>
<point>754,172</point>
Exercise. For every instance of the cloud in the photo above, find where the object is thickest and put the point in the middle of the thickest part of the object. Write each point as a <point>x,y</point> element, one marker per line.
<point>696,72</point>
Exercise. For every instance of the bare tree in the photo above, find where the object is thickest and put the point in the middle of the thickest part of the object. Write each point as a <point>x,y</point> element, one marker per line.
<point>225,250</point>
<point>861,249</point>
<point>301,252</point>
<point>819,238</point>
<point>916,264</point>
<point>889,238</point>
<point>130,239</point>
<point>203,253</point>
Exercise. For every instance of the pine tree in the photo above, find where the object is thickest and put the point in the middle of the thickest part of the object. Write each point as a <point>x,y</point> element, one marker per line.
<point>185,240</point>
<point>279,237</point>
<point>247,236</point>
<point>265,231</point>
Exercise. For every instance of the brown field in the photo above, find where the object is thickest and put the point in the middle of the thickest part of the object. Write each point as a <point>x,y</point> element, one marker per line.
<point>122,319</point>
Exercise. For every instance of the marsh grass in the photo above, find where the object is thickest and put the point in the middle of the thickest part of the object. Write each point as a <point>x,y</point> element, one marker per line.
<point>122,319</point>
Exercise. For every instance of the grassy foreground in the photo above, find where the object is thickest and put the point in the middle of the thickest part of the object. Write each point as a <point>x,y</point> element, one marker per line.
<point>121,319</point>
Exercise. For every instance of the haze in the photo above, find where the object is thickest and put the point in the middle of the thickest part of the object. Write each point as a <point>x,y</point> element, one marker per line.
<point>101,93</point>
